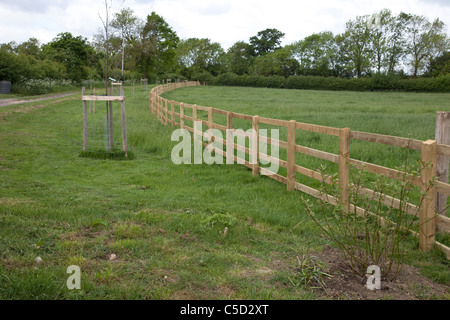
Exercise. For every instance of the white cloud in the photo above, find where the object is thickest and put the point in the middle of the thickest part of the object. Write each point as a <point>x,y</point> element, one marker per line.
<point>33,6</point>
<point>225,21</point>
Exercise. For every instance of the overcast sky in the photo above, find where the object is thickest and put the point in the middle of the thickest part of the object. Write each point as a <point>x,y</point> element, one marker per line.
<point>223,21</point>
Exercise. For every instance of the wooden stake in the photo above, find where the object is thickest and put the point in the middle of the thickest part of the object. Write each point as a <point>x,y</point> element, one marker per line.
<point>230,139</point>
<point>291,156</point>
<point>160,109</point>
<point>166,110</point>
<point>194,118</point>
<point>182,115</point>
<point>210,123</point>
<point>173,113</point>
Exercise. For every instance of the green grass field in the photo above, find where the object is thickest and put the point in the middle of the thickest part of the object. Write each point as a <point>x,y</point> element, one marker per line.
<point>165,222</point>
<point>391,113</point>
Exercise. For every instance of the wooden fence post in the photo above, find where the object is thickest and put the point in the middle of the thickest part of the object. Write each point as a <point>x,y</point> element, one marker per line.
<point>255,146</point>
<point>161,114</point>
<point>344,167</point>
<point>156,103</point>
<point>194,118</point>
<point>230,138</point>
<point>291,155</point>
<point>166,110</point>
<point>198,138</point>
<point>182,115</point>
<point>172,112</point>
<point>158,108</point>
<point>83,92</point>
<point>210,123</point>
<point>427,211</point>
<point>442,137</point>
<point>194,113</point>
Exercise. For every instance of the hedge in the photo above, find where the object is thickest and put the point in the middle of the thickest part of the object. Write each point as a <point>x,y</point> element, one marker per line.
<point>374,83</point>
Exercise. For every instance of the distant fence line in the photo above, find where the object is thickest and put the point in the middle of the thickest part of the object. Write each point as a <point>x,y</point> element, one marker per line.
<point>168,112</point>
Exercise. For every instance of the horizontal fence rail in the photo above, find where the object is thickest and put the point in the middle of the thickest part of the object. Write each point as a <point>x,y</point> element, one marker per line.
<point>174,113</point>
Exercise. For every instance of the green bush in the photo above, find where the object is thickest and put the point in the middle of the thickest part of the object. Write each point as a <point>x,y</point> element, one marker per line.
<point>442,83</point>
<point>15,67</point>
<point>172,76</point>
<point>385,82</point>
<point>377,82</point>
<point>40,86</point>
<point>203,77</point>
<point>228,79</point>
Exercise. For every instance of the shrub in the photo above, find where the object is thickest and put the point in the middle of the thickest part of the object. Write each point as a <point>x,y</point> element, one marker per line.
<point>172,76</point>
<point>39,86</point>
<point>385,82</point>
<point>442,83</point>
<point>203,77</point>
<point>228,79</point>
<point>365,236</point>
<point>377,82</point>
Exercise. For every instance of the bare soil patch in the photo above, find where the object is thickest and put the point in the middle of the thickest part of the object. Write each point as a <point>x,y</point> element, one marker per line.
<point>344,284</point>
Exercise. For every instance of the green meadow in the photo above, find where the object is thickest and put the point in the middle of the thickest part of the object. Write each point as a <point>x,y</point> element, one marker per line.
<point>165,223</point>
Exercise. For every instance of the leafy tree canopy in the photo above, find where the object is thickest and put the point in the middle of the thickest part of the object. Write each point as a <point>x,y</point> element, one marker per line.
<point>266,41</point>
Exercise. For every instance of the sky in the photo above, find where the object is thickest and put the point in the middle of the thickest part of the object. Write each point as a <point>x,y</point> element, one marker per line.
<point>222,21</point>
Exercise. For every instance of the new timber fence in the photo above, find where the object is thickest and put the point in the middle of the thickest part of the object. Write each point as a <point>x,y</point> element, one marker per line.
<point>175,113</point>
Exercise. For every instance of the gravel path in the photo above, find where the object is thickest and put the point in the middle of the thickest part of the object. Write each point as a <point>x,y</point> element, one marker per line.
<point>9,102</point>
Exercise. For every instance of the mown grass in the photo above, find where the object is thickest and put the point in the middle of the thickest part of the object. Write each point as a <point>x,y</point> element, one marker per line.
<point>165,223</point>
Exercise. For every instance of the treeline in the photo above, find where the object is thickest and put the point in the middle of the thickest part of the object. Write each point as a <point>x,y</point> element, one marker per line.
<point>34,68</point>
<point>381,51</point>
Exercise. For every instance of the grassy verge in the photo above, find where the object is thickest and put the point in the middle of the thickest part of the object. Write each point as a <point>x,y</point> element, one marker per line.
<point>164,223</point>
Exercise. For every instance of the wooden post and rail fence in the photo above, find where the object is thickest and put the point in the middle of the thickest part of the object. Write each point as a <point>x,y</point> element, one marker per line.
<point>434,156</point>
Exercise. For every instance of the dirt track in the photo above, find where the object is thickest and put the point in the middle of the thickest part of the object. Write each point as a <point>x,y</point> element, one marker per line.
<point>9,102</point>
